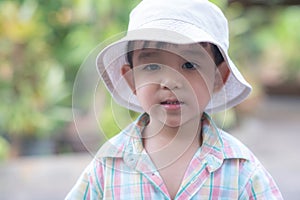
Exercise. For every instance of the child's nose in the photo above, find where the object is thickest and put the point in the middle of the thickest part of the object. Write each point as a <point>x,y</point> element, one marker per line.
<point>171,79</point>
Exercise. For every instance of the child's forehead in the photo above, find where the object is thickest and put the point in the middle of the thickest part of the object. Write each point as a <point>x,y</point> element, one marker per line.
<point>176,48</point>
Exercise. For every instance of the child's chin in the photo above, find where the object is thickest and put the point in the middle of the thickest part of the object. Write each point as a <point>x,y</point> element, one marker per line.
<point>174,122</point>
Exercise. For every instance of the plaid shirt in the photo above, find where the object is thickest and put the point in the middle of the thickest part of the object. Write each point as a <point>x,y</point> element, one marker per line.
<point>222,168</point>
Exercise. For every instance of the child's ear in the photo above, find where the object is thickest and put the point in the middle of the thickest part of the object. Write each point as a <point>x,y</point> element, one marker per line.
<point>221,76</point>
<point>127,73</point>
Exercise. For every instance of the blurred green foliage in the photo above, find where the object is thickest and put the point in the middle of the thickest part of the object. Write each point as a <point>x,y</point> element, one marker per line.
<point>4,149</point>
<point>114,118</point>
<point>265,39</point>
<point>43,43</point>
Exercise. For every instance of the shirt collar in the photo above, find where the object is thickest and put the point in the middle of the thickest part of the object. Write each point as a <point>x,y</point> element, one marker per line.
<point>128,144</point>
<point>212,146</point>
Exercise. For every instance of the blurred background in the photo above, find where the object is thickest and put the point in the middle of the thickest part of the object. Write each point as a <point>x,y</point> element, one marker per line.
<point>45,144</point>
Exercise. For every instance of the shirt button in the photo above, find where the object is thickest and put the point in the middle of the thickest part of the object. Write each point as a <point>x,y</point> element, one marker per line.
<point>130,160</point>
<point>212,161</point>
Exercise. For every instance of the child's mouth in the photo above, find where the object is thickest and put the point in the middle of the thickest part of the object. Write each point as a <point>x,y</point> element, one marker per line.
<point>172,104</point>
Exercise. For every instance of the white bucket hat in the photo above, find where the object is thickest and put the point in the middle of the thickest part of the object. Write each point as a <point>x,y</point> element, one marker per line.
<point>177,22</point>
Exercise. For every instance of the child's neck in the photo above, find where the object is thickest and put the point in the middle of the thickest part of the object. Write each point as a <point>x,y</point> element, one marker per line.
<point>166,142</point>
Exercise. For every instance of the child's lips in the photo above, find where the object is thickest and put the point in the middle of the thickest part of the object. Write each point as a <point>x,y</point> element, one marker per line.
<point>172,104</point>
<point>168,102</point>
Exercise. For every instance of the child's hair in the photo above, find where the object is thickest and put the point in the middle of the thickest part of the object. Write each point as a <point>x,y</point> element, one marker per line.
<point>218,58</point>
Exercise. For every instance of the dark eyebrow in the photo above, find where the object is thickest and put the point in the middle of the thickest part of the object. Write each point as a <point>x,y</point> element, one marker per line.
<point>147,54</point>
<point>191,52</point>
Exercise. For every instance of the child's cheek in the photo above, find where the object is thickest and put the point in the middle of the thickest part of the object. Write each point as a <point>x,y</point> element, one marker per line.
<point>146,96</point>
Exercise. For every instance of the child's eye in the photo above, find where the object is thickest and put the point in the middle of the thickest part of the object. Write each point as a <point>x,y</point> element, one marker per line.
<point>152,67</point>
<point>190,65</point>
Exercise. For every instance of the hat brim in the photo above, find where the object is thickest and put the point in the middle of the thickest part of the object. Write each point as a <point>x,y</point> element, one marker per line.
<point>113,57</point>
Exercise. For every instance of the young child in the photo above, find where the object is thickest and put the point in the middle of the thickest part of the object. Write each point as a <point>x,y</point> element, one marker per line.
<point>173,66</point>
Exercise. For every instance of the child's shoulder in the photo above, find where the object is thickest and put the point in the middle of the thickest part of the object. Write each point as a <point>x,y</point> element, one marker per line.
<point>234,148</point>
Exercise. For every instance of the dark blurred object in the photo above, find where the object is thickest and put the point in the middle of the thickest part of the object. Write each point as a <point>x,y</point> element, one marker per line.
<point>285,89</point>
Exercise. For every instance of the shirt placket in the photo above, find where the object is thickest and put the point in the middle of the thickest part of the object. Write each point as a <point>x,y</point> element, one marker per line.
<point>193,180</point>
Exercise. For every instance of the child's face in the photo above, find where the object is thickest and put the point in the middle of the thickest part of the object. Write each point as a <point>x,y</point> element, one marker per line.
<point>173,83</point>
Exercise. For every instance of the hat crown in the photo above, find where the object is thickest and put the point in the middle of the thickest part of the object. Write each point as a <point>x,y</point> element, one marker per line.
<point>200,13</point>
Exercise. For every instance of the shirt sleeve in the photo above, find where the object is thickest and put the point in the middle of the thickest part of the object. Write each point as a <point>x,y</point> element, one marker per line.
<point>261,186</point>
<point>87,186</point>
